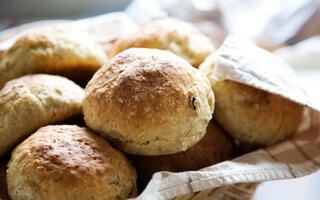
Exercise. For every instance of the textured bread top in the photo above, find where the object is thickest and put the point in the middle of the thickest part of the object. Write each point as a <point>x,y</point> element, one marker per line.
<point>32,101</point>
<point>149,102</point>
<point>170,34</point>
<point>52,49</point>
<point>251,115</point>
<point>68,162</point>
<point>255,116</point>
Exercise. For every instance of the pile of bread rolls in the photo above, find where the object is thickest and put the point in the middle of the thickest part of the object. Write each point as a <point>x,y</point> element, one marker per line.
<point>146,96</point>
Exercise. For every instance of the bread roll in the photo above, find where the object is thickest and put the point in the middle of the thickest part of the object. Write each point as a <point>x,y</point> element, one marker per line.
<point>251,115</point>
<point>254,116</point>
<point>32,101</point>
<point>52,49</point>
<point>170,34</point>
<point>149,102</point>
<point>68,162</point>
<point>214,147</point>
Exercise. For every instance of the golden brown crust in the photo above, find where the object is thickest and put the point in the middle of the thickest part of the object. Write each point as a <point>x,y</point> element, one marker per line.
<point>69,162</point>
<point>52,49</point>
<point>214,147</point>
<point>170,34</point>
<point>32,101</point>
<point>149,102</point>
<point>254,116</point>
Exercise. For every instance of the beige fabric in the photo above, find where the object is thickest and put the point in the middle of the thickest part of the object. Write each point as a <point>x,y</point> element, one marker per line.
<point>299,156</point>
<point>293,158</point>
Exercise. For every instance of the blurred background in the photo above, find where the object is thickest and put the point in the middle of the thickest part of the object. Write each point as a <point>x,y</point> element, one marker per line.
<point>291,27</point>
<point>275,21</point>
<point>70,9</point>
<point>20,11</point>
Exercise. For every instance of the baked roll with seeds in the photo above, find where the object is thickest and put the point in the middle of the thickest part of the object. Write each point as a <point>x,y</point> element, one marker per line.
<point>149,102</point>
<point>170,34</point>
<point>56,49</point>
<point>32,101</point>
<point>250,115</point>
<point>68,162</point>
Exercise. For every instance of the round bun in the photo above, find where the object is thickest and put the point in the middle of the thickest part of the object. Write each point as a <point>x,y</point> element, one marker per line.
<point>254,116</point>
<point>52,49</point>
<point>68,162</point>
<point>214,147</point>
<point>32,101</point>
<point>149,102</point>
<point>170,34</point>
